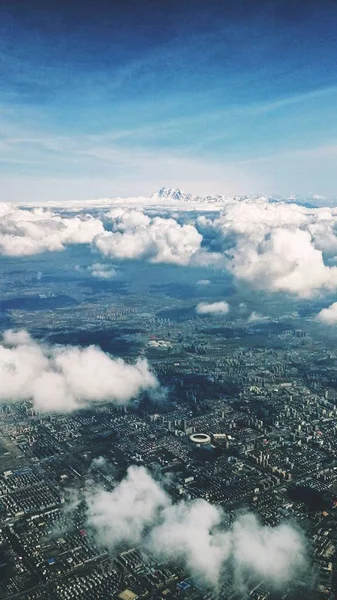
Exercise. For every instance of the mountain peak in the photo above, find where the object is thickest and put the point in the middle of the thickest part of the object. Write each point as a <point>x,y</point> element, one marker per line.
<point>171,194</point>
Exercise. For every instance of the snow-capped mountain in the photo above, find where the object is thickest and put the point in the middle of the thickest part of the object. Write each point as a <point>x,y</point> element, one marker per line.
<point>170,198</point>
<point>177,194</point>
<point>171,194</point>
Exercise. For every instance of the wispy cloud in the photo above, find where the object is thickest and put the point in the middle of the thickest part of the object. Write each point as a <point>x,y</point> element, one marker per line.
<point>209,98</point>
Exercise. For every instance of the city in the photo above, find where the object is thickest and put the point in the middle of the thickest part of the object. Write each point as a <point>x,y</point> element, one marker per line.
<point>245,420</point>
<point>168,300</point>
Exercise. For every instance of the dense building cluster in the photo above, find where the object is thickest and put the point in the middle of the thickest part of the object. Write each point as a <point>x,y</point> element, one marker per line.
<point>244,426</point>
<point>244,418</point>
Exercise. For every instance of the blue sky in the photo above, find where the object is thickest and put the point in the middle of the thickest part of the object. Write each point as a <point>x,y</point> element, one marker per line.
<point>119,98</point>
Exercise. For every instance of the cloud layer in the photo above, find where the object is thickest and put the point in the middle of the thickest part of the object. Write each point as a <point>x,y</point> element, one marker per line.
<point>277,247</point>
<point>25,232</point>
<point>67,378</point>
<point>135,235</point>
<point>272,246</point>
<point>139,512</point>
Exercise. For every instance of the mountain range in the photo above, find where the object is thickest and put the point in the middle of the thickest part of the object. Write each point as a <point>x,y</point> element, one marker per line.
<point>169,197</point>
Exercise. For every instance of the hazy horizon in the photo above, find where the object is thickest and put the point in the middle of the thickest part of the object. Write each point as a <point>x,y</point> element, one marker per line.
<point>119,99</point>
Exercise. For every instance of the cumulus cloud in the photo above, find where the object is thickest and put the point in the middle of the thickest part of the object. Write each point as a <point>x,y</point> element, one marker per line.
<point>67,378</point>
<point>121,516</point>
<point>274,554</point>
<point>97,270</point>
<point>256,317</point>
<point>285,261</point>
<point>328,315</point>
<point>102,271</point>
<point>278,247</point>
<point>190,532</point>
<point>135,235</point>
<point>139,512</point>
<point>204,282</point>
<point>275,246</point>
<point>25,232</point>
<point>213,308</point>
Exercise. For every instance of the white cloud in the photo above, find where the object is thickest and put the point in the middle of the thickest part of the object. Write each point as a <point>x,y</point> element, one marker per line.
<point>273,246</point>
<point>213,308</point>
<point>277,247</point>
<point>139,512</point>
<point>25,232</point>
<point>102,271</point>
<point>256,317</point>
<point>204,282</point>
<point>134,235</point>
<point>328,315</point>
<point>123,514</point>
<point>274,554</point>
<point>190,533</point>
<point>284,261</point>
<point>68,378</point>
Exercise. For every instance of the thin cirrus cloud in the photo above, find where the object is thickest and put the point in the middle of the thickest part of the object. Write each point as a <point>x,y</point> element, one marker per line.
<point>141,112</point>
<point>64,379</point>
<point>139,512</point>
